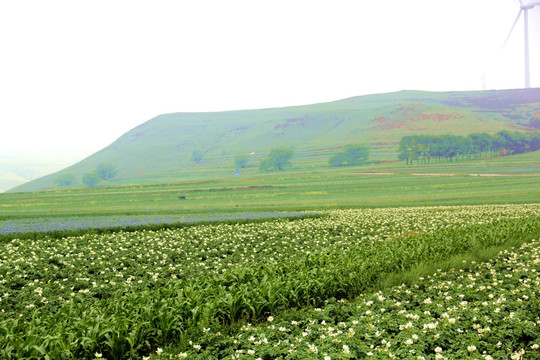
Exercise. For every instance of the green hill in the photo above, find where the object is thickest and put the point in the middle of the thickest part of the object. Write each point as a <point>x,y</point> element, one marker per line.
<point>160,149</point>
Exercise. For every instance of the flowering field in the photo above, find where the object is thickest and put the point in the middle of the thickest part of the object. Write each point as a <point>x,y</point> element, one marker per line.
<point>129,294</point>
<point>71,223</point>
<point>481,311</point>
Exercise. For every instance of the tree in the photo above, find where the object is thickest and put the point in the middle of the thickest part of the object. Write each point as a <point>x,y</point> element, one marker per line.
<point>338,159</point>
<point>106,172</point>
<point>451,147</point>
<point>65,180</point>
<point>197,156</point>
<point>281,157</point>
<point>352,154</point>
<point>91,179</point>
<point>356,153</point>
<point>405,149</point>
<point>278,159</point>
<point>241,160</point>
<point>265,165</point>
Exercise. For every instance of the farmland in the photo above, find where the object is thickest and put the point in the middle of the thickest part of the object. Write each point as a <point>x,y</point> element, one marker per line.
<point>306,186</point>
<point>69,225</point>
<point>195,290</point>
<point>198,268</point>
<point>492,307</point>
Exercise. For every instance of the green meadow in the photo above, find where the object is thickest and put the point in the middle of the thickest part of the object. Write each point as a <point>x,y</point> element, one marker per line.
<point>305,186</point>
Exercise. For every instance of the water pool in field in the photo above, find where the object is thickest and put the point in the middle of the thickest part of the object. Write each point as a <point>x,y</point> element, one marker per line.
<point>48,224</point>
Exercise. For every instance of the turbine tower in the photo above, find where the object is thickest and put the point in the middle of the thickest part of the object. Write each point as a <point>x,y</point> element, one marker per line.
<point>524,8</point>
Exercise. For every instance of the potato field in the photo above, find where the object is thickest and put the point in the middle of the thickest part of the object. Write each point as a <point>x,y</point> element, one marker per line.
<point>284,288</point>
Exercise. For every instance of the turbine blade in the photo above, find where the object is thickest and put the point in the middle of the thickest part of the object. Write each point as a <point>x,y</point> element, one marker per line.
<point>513,26</point>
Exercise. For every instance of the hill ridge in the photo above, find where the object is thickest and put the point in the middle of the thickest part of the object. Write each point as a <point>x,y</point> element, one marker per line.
<point>163,144</point>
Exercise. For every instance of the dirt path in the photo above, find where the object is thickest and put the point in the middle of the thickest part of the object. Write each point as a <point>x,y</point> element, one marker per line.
<point>444,174</point>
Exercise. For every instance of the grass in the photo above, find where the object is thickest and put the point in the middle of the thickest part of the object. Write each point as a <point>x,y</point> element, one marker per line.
<point>305,186</point>
<point>462,260</point>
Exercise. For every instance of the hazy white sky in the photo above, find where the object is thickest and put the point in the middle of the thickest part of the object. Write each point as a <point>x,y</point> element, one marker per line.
<point>75,75</point>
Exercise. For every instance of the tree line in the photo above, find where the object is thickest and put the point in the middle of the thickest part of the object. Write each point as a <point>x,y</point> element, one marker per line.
<point>104,172</point>
<point>280,158</point>
<point>425,148</point>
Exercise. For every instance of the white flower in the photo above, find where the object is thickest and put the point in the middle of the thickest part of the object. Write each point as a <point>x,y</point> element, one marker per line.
<point>270,319</point>
<point>159,351</point>
<point>98,355</point>
<point>471,348</point>
<point>346,349</point>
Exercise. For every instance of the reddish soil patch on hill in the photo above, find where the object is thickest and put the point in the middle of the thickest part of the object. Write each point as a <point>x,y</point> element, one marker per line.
<point>403,116</point>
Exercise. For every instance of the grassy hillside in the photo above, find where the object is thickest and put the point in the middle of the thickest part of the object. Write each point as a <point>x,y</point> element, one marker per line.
<point>160,149</point>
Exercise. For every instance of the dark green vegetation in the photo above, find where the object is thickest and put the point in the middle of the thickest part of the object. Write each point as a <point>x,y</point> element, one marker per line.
<point>352,154</point>
<point>453,313</point>
<point>277,160</point>
<point>65,180</point>
<point>125,295</point>
<point>161,149</point>
<point>424,148</point>
<point>106,172</point>
<point>91,180</point>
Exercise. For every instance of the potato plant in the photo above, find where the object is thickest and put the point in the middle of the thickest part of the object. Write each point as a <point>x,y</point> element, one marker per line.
<point>128,294</point>
<point>480,311</point>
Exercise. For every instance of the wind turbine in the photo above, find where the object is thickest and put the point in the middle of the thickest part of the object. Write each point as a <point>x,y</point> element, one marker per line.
<point>524,9</point>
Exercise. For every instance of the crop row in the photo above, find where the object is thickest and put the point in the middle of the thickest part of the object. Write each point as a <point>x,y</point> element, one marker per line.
<point>125,294</point>
<point>485,310</point>
<point>70,223</point>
